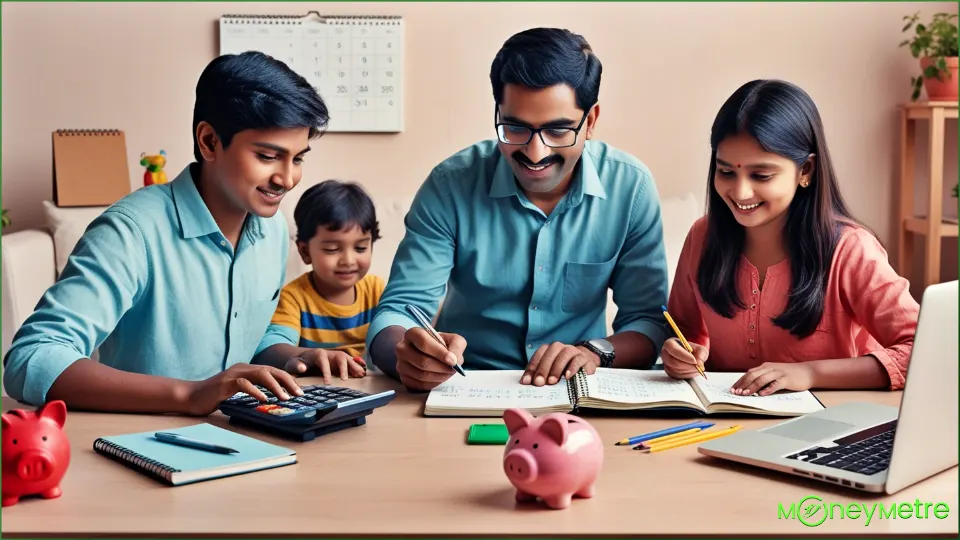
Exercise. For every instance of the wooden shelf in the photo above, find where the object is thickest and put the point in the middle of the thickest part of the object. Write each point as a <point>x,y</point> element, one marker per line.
<point>923,110</point>
<point>919,226</point>
<point>936,113</point>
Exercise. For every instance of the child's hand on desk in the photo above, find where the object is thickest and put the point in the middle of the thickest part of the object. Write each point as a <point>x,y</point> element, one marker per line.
<point>328,363</point>
<point>203,397</point>
<point>770,377</point>
<point>680,364</point>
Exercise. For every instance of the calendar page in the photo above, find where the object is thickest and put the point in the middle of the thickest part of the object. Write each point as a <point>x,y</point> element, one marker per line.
<point>355,63</point>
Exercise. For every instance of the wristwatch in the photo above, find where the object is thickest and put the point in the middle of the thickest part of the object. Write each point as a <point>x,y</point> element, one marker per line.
<point>601,348</point>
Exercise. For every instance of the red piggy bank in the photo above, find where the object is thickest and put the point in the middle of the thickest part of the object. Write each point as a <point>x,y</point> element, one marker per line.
<point>36,452</point>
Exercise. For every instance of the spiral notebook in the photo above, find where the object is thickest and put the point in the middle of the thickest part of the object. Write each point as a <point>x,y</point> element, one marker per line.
<point>90,167</point>
<point>178,465</point>
<point>489,393</point>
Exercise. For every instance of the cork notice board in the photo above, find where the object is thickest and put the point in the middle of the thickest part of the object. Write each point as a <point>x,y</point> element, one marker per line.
<point>89,167</point>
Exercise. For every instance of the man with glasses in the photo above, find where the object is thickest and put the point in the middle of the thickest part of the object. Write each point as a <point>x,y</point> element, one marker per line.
<point>520,238</point>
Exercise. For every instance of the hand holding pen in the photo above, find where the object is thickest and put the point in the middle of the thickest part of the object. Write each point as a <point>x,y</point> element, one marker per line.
<point>425,357</point>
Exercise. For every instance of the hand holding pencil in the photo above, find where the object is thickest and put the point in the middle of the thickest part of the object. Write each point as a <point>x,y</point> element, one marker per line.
<point>682,359</point>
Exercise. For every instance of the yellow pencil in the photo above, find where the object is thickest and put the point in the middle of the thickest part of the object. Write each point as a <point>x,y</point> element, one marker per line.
<point>693,440</point>
<point>665,438</point>
<point>682,339</point>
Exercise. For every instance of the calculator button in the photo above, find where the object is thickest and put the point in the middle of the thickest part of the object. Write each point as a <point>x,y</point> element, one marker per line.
<point>267,408</point>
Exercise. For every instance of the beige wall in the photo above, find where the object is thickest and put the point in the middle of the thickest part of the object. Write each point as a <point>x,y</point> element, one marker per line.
<point>667,69</point>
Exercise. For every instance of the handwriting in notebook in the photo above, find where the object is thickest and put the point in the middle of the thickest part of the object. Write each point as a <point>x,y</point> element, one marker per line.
<point>638,387</point>
<point>495,393</point>
<point>719,390</point>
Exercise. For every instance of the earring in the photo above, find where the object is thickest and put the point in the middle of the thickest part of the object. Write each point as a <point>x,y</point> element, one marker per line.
<point>804,183</point>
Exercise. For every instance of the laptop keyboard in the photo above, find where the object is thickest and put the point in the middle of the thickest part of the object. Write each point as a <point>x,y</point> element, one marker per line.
<point>865,452</point>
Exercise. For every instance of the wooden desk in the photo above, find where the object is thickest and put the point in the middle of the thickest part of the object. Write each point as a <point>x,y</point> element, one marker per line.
<point>403,473</point>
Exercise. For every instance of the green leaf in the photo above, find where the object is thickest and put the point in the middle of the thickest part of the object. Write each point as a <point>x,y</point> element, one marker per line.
<point>942,64</point>
<point>931,72</point>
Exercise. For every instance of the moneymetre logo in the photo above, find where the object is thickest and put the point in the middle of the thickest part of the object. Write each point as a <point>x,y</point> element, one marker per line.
<point>812,511</point>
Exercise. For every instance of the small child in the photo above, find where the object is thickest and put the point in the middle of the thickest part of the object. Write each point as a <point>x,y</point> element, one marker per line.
<point>322,316</point>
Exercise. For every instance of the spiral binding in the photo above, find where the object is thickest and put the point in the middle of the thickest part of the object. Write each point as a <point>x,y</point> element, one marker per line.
<point>133,460</point>
<point>379,20</point>
<point>87,132</point>
<point>577,388</point>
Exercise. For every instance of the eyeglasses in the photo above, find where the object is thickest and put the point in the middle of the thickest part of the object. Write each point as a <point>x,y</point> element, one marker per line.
<point>554,137</point>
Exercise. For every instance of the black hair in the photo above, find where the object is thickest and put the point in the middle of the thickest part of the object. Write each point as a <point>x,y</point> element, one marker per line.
<point>251,90</point>
<point>335,205</point>
<point>544,57</point>
<point>784,120</point>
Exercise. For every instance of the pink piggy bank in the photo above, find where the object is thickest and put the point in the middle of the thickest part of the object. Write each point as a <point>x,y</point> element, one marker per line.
<point>36,452</point>
<point>553,457</point>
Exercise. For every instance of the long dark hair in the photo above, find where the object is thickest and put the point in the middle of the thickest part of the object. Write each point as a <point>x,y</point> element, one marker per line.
<point>784,120</point>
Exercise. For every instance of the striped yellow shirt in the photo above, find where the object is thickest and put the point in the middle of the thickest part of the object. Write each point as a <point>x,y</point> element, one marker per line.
<point>305,318</point>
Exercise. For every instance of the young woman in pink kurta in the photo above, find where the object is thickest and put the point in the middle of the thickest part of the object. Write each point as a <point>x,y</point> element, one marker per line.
<point>778,280</point>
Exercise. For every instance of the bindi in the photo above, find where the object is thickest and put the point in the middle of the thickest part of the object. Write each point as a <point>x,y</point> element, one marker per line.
<point>738,165</point>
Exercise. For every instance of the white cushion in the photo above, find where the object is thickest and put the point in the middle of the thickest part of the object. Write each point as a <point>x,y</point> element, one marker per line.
<point>67,225</point>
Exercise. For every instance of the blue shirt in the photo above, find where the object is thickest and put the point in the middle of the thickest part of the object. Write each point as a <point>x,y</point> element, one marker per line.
<point>156,286</point>
<point>512,278</point>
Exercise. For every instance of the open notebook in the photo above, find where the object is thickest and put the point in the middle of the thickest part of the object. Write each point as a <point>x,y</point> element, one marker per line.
<point>178,465</point>
<point>489,393</point>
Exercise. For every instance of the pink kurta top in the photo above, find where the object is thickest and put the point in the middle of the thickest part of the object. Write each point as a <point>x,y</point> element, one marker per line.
<point>868,310</point>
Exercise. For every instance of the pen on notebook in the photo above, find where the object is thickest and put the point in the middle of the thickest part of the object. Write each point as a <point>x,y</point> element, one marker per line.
<point>691,440</point>
<point>669,431</point>
<point>682,339</point>
<point>673,437</point>
<point>424,323</point>
<point>180,440</point>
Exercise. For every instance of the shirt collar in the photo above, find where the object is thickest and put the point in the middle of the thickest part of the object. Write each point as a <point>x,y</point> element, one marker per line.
<point>585,182</point>
<point>194,216</point>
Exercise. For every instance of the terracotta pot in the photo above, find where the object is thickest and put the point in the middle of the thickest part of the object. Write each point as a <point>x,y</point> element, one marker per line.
<point>944,88</point>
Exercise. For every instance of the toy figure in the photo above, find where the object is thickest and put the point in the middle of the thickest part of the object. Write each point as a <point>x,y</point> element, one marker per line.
<point>36,452</point>
<point>154,164</point>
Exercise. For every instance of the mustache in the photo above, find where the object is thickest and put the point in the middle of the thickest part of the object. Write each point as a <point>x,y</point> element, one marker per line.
<point>549,160</point>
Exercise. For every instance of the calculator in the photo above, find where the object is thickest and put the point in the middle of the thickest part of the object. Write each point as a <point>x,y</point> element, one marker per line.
<point>320,410</point>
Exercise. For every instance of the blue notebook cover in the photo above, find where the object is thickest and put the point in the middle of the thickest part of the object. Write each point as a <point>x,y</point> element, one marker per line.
<point>178,465</point>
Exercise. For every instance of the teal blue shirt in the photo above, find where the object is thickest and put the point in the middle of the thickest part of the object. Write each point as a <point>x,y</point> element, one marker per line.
<point>157,288</point>
<point>512,278</point>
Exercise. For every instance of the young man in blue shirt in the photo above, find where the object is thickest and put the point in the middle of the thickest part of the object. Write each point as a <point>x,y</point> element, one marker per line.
<point>175,284</point>
<point>521,237</point>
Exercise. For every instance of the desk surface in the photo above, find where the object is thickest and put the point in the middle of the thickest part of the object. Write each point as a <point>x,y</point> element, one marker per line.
<point>402,473</point>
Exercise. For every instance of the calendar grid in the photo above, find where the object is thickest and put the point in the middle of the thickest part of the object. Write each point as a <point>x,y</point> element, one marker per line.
<point>354,62</point>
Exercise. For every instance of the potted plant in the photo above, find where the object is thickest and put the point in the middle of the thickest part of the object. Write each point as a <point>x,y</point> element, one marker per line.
<point>935,44</point>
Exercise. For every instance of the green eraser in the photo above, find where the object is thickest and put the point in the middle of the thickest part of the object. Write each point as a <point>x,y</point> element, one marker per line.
<point>488,434</point>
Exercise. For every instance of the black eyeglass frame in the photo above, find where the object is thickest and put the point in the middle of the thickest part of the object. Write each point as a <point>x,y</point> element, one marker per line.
<point>537,131</point>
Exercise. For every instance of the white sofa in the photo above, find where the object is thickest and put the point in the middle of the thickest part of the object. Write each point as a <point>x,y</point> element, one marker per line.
<point>32,259</point>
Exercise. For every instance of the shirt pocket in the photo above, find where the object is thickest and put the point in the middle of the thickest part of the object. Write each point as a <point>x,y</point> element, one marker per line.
<point>257,314</point>
<point>585,285</point>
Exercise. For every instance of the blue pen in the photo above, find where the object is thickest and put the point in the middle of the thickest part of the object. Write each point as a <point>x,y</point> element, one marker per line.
<point>180,440</point>
<point>669,431</point>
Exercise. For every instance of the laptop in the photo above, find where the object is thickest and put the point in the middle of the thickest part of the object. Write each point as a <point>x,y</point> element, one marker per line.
<point>867,446</point>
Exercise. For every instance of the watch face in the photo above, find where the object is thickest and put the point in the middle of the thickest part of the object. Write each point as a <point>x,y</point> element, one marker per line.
<point>603,345</point>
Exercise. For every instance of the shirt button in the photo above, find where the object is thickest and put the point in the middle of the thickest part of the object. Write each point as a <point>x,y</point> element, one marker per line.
<point>752,327</point>
<point>534,308</point>
<point>753,306</point>
<point>223,243</point>
<point>540,268</point>
<point>529,345</point>
<point>755,291</point>
<point>751,340</point>
<point>235,313</point>
<point>752,355</point>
